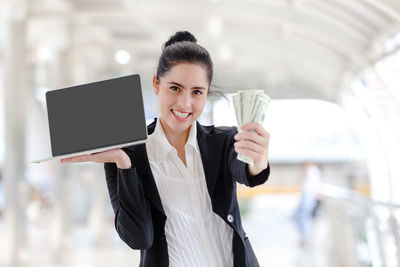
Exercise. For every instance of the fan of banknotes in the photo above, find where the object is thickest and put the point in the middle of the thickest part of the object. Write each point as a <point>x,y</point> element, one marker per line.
<point>250,106</point>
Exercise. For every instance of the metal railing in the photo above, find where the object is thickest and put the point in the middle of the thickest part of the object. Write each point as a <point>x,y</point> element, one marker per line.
<point>364,232</point>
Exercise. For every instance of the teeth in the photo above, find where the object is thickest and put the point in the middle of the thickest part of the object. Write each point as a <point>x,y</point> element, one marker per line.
<point>180,114</point>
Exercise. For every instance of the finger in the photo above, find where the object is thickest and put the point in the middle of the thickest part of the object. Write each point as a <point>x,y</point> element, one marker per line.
<point>250,147</point>
<point>255,126</point>
<point>77,159</point>
<point>246,144</point>
<point>85,158</point>
<point>262,141</point>
<point>251,154</point>
<point>68,159</point>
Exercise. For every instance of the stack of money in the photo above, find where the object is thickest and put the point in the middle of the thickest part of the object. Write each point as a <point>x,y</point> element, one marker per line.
<point>250,106</point>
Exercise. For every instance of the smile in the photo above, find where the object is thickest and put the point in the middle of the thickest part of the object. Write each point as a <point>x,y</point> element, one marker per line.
<point>180,115</point>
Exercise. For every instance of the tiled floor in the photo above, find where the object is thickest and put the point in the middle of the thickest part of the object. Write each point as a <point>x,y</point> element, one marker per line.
<point>267,224</point>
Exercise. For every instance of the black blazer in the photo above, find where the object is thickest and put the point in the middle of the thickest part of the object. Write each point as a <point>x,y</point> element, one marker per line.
<point>139,215</point>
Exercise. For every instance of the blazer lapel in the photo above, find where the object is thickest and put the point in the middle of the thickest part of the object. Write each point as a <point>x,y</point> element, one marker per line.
<point>143,168</point>
<point>141,162</point>
<point>210,150</point>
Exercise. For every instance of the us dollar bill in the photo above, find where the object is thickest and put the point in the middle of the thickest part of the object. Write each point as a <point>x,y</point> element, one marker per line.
<point>237,107</point>
<point>250,106</point>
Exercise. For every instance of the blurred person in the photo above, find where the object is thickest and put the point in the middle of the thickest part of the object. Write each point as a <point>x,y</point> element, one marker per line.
<point>174,197</point>
<point>309,201</point>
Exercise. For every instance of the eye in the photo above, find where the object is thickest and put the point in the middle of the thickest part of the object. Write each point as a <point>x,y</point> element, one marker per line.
<point>174,88</point>
<point>197,92</point>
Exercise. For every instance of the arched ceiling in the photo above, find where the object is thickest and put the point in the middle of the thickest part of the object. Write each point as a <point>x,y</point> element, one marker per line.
<point>290,48</point>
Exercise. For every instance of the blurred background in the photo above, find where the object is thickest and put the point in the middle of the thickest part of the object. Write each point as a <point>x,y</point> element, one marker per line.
<point>332,68</point>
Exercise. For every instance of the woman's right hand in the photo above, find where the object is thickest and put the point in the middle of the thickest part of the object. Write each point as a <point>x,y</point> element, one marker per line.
<point>117,156</point>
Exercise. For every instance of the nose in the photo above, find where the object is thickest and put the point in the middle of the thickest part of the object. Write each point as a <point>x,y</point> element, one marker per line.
<point>184,101</point>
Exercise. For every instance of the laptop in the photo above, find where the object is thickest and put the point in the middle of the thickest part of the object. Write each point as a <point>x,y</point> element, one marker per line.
<point>95,117</point>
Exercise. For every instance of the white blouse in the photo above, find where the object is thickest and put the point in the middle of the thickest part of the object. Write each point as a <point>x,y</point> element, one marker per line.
<point>195,235</point>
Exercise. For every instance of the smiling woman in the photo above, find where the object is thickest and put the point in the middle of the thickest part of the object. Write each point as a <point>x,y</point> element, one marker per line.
<point>174,197</point>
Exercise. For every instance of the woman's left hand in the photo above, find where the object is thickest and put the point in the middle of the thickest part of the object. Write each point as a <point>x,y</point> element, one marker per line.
<point>254,145</point>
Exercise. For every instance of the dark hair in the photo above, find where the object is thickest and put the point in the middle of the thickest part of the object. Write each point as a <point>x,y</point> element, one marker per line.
<point>182,47</point>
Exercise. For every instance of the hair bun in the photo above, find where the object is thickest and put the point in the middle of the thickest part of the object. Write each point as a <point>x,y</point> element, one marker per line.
<point>180,36</point>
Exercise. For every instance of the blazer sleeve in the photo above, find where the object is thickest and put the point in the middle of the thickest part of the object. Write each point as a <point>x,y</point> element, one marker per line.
<point>132,210</point>
<point>239,169</point>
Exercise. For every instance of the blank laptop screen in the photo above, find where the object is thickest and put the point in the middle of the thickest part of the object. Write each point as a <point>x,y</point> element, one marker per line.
<point>96,115</point>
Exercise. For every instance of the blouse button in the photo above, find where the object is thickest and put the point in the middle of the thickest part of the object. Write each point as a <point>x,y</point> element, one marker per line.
<point>230,218</point>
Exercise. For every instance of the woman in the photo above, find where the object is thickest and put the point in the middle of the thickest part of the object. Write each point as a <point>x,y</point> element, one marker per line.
<point>174,197</point>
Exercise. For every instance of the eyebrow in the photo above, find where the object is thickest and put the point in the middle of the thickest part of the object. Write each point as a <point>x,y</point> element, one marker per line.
<point>195,87</point>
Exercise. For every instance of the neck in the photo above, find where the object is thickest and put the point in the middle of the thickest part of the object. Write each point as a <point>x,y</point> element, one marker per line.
<point>176,139</point>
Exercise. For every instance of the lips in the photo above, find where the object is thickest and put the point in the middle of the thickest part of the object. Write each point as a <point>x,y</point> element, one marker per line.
<point>181,116</point>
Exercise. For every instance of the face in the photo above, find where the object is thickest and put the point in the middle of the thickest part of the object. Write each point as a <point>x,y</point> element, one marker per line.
<point>182,94</point>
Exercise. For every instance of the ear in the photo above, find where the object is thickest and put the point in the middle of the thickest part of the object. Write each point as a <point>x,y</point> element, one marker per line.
<point>156,85</point>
